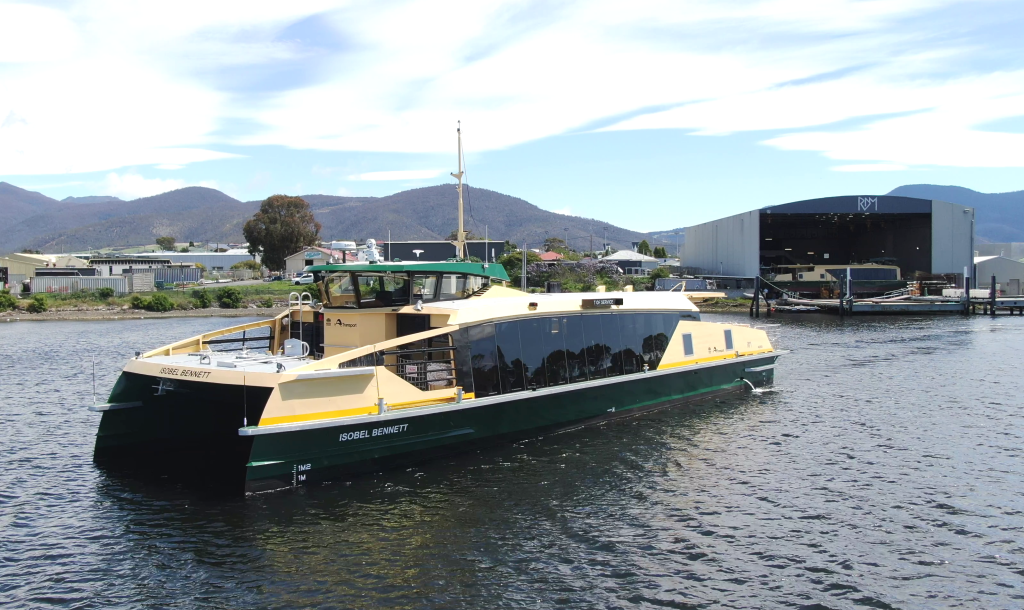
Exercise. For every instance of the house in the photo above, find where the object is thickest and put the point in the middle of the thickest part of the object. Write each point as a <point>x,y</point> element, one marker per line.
<point>550,257</point>
<point>336,251</point>
<point>632,263</point>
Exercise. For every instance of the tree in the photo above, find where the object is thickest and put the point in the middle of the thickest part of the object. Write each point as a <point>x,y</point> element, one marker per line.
<point>166,242</point>
<point>554,244</point>
<point>7,302</point>
<point>183,249</point>
<point>158,302</point>
<point>37,304</point>
<point>659,252</point>
<point>469,235</point>
<point>659,273</point>
<point>644,248</point>
<point>513,263</point>
<point>229,298</point>
<point>250,265</point>
<point>202,298</point>
<point>283,226</point>
<point>191,244</point>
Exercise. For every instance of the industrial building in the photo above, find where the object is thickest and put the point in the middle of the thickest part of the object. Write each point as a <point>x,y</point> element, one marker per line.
<point>436,251</point>
<point>212,261</point>
<point>1009,274</point>
<point>921,236</point>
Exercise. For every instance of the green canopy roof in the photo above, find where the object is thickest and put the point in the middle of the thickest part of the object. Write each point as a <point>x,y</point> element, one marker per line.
<point>492,270</point>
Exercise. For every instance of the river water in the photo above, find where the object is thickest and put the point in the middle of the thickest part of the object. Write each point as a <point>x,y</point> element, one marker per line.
<point>884,470</point>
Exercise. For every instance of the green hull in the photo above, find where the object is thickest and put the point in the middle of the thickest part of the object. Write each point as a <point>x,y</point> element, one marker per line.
<point>319,452</point>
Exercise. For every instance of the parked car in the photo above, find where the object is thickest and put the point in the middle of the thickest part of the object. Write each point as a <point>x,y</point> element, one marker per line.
<point>274,278</point>
<point>305,278</point>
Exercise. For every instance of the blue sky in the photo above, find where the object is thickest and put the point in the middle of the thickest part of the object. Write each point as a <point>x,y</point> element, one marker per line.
<point>648,115</point>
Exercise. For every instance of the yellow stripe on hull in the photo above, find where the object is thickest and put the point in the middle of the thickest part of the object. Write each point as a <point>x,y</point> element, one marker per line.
<point>673,365</point>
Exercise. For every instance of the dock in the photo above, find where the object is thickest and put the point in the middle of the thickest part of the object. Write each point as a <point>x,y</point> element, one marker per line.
<point>911,305</point>
<point>900,303</point>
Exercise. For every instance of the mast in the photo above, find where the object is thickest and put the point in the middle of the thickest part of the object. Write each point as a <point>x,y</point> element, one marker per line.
<point>460,237</point>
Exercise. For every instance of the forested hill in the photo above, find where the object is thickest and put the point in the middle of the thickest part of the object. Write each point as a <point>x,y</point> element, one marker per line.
<point>32,220</point>
<point>998,217</point>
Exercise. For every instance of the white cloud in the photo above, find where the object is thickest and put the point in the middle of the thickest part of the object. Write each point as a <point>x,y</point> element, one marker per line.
<point>103,84</point>
<point>169,166</point>
<point>132,186</point>
<point>404,174</point>
<point>870,167</point>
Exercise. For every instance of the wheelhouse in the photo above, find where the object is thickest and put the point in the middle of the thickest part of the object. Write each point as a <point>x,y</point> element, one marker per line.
<point>372,286</point>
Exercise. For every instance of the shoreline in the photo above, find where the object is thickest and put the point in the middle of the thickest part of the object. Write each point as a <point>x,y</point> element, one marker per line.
<point>214,312</point>
<point>137,314</point>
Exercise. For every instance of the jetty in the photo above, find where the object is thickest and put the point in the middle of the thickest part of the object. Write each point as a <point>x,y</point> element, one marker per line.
<point>900,302</point>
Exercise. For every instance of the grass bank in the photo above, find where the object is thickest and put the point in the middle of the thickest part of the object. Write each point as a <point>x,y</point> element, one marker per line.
<point>215,299</point>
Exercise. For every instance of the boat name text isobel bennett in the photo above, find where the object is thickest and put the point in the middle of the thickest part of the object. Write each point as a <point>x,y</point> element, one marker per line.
<point>194,374</point>
<point>350,436</point>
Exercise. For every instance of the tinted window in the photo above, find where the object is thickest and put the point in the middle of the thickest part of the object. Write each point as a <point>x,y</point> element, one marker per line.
<point>554,351</point>
<point>510,357</point>
<point>610,333</point>
<point>728,339</point>
<point>484,358</point>
<point>452,286</point>
<point>687,344</point>
<point>575,348</point>
<point>630,329</point>
<point>531,337</point>
<point>598,354</point>
<point>424,287</point>
<point>657,328</point>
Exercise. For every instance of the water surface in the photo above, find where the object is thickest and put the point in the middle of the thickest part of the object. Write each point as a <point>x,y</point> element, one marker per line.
<point>884,470</point>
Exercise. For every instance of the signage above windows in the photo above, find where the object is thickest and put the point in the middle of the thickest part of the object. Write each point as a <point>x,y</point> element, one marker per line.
<point>598,303</point>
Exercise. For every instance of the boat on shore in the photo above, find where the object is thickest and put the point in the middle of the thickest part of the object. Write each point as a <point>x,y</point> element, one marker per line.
<point>386,363</point>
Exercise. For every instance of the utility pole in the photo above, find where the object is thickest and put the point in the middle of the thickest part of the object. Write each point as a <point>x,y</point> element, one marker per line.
<point>522,280</point>
<point>566,229</point>
<point>606,238</point>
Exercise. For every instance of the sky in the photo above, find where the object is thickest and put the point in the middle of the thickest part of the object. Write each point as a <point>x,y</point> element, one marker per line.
<point>648,115</point>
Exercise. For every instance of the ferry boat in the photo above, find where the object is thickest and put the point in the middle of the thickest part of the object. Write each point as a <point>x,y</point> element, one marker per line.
<point>393,362</point>
<point>823,280</point>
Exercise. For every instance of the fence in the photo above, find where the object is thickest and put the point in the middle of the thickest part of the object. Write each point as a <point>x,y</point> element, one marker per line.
<point>77,284</point>
<point>175,275</point>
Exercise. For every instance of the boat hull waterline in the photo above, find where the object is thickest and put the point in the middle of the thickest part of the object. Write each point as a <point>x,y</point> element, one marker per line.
<point>198,424</point>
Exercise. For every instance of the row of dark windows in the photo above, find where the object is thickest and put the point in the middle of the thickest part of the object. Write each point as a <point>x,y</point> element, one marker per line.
<point>541,352</point>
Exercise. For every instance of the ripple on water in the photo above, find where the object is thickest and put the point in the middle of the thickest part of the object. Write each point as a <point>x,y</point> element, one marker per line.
<point>882,471</point>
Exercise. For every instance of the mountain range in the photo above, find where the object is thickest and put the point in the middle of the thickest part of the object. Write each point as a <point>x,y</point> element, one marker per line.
<point>202,214</point>
<point>998,217</point>
<point>33,220</point>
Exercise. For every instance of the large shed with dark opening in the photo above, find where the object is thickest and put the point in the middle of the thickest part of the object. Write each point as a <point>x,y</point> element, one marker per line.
<point>920,236</point>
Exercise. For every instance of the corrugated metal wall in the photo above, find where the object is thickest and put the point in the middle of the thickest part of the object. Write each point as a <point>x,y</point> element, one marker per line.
<point>173,275</point>
<point>728,246</point>
<point>77,284</point>
<point>952,237</point>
